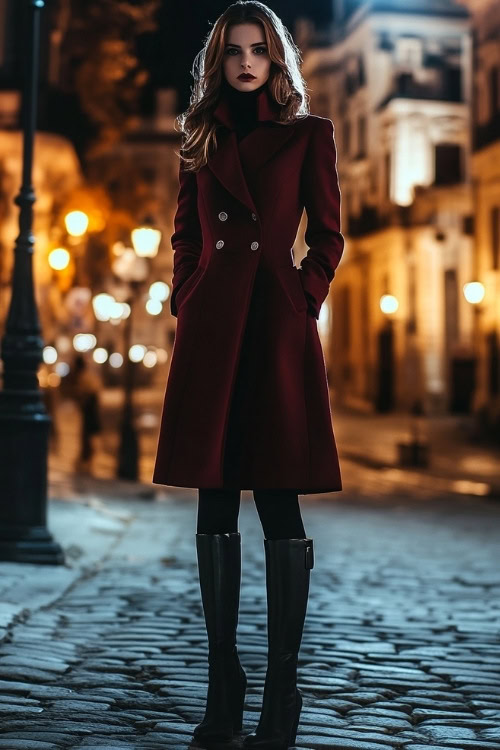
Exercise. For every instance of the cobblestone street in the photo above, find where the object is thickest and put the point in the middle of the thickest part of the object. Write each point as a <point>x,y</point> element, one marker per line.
<point>401,646</point>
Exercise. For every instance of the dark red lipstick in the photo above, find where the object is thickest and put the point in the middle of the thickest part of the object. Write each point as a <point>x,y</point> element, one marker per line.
<point>246,77</point>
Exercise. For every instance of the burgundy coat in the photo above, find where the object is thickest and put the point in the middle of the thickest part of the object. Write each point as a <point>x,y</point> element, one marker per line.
<point>246,403</point>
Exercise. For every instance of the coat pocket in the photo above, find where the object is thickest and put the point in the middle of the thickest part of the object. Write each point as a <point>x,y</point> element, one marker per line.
<point>289,277</point>
<point>188,286</point>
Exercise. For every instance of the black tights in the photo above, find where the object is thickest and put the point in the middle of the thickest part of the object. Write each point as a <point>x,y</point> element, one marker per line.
<point>279,512</point>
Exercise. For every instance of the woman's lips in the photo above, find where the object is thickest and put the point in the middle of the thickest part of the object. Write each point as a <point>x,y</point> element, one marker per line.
<point>246,77</point>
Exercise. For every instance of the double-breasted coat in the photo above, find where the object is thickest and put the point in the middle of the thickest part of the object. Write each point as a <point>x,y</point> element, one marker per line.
<point>246,403</point>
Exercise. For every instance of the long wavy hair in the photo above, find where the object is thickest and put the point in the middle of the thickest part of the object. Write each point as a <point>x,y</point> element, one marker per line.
<point>286,84</point>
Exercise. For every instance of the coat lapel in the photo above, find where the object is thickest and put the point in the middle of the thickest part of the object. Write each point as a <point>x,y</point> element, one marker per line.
<point>225,163</point>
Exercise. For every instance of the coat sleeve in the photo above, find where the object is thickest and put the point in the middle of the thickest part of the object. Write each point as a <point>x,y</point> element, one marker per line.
<point>187,237</point>
<point>321,197</point>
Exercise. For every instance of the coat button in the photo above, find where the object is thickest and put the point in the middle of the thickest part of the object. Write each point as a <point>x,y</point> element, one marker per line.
<point>219,244</point>
<point>254,217</point>
<point>254,245</point>
<point>223,216</point>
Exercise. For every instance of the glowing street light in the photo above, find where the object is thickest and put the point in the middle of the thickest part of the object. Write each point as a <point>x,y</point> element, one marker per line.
<point>136,352</point>
<point>159,290</point>
<point>76,223</point>
<point>59,258</point>
<point>474,292</point>
<point>103,305</point>
<point>146,241</point>
<point>154,306</point>
<point>100,355</point>
<point>84,342</point>
<point>49,355</point>
<point>150,359</point>
<point>116,359</point>
<point>388,303</point>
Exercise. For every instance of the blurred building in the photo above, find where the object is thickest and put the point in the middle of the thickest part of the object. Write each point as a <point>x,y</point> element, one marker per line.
<point>56,173</point>
<point>147,153</point>
<point>142,164</point>
<point>395,78</point>
<point>485,165</point>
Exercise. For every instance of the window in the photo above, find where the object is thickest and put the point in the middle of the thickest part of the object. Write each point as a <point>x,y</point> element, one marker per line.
<point>447,164</point>
<point>409,52</point>
<point>493,88</point>
<point>387,175</point>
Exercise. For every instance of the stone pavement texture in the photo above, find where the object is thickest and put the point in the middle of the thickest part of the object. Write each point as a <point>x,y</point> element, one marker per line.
<point>401,644</point>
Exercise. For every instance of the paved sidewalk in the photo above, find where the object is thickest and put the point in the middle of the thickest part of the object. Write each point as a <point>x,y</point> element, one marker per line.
<point>401,645</point>
<point>459,461</point>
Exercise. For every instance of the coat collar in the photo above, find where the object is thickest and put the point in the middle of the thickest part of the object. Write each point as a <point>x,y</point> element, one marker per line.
<point>269,136</point>
<point>267,108</point>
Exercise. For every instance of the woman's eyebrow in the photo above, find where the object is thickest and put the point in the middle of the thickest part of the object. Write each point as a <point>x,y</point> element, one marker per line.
<point>255,44</point>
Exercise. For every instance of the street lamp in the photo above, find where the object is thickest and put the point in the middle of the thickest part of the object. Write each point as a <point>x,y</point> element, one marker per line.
<point>24,422</point>
<point>132,268</point>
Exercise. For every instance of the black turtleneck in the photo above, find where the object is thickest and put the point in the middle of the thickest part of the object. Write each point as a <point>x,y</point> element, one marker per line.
<point>243,105</point>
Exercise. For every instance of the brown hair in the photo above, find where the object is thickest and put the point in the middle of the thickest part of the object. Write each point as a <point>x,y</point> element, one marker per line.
<point>286,84</point>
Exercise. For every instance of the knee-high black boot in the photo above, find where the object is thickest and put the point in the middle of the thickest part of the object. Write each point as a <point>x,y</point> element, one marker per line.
<point>288,565</point>
<point>219,567</point>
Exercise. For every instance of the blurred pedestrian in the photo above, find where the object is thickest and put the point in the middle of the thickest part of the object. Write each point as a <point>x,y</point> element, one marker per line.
<point>86,386</point>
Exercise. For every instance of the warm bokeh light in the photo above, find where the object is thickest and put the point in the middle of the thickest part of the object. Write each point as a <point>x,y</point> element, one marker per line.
<point>104,305</point>
<point>150,359</point>
<point>83,342</point>
<point>388,303</point>
<point>136,352</point>
<point>154,306</point>
<point>62,368</point>
<point>115,359</point>
<point>76,223</point>
<point>474,292</point>
<point>118,248</point>
<point>59,258</point>
<point>130,267</point>
<point>49,355</point>
<point>126,310</point>
<point>53,379</point>
<point>100,355</point>
<point>146,241</point>
<point>159,290</point>
<point>162,355</point>
<point>116,311</point>
<point>324,319</point>
<point>63,344</point>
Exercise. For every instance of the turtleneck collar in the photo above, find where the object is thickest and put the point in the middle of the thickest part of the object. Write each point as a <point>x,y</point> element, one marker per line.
<point>237,107</point>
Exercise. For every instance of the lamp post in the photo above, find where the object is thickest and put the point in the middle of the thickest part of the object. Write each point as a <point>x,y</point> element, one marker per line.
<point>24,422</point>
<point>132,268</point>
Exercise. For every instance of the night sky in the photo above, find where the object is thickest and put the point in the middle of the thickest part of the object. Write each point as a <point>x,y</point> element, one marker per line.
<point>169,54</point>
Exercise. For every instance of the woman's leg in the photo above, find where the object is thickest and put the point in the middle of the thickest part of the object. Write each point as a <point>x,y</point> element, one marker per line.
<point>289,559</point>
<point>218,545</point>
<point>218,511</point>
<point>279,513</point>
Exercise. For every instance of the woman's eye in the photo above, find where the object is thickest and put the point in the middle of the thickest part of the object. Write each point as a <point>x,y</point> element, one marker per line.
<point>233,49</point>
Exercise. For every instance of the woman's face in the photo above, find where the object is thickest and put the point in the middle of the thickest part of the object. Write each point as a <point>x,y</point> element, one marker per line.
<point>246,52</point>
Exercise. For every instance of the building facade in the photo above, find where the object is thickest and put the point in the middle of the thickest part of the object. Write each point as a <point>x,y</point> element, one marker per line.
<point>395,79</point>
<point>485,167</point>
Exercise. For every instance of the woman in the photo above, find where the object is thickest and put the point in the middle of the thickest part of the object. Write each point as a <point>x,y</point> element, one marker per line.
<point>246,404</point>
